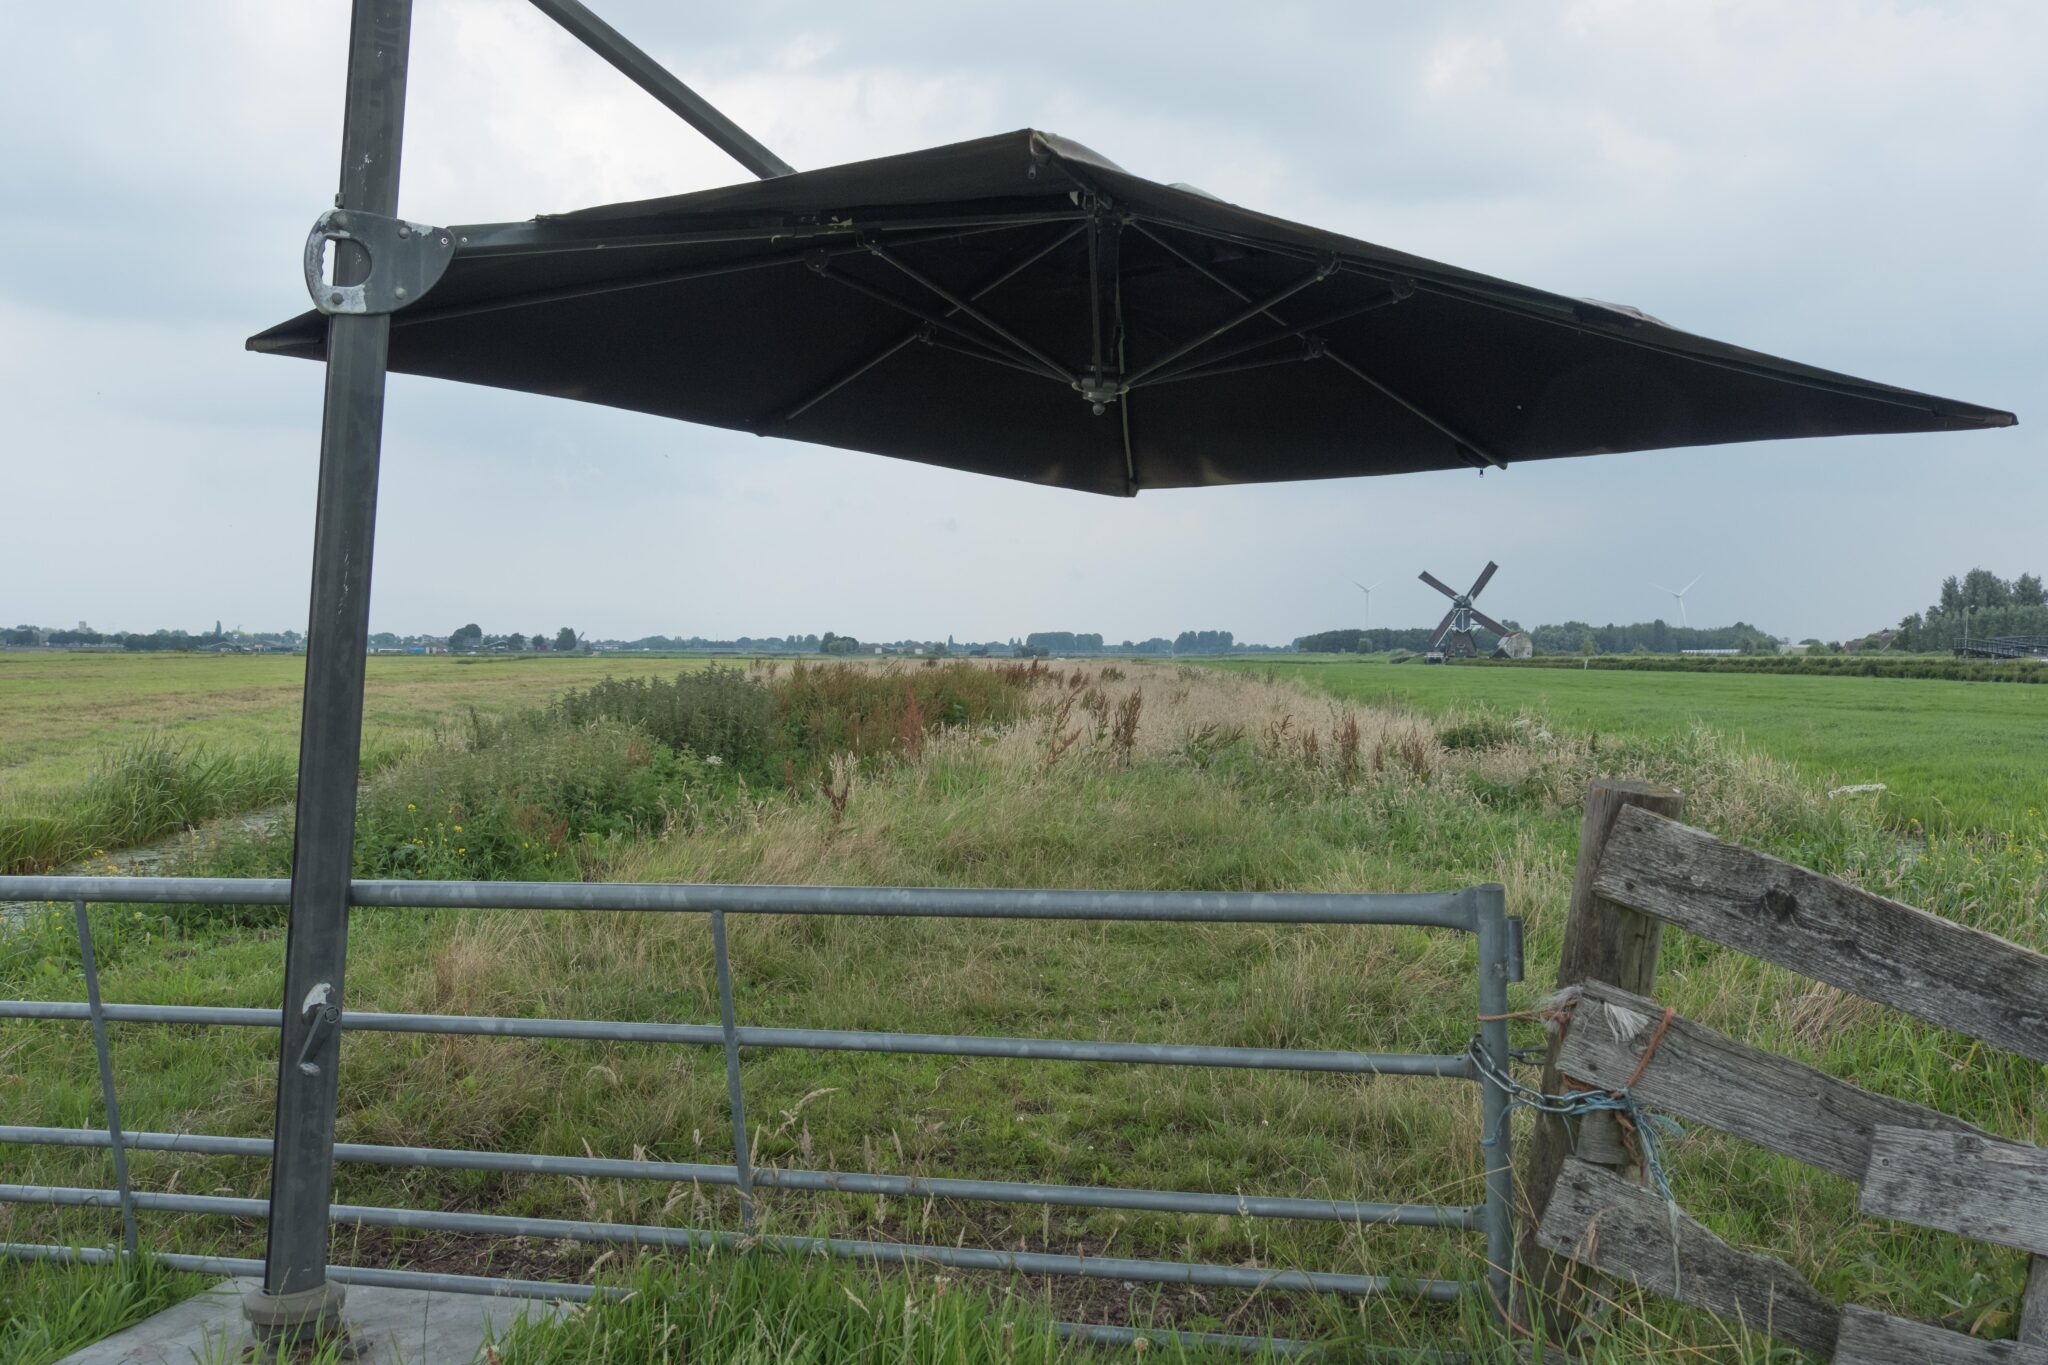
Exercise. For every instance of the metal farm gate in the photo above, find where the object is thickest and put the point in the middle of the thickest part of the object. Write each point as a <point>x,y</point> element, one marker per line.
<point>1479,911</point>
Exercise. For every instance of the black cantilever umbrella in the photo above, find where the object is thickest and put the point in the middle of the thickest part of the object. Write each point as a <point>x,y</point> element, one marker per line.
<point>1020,306</point>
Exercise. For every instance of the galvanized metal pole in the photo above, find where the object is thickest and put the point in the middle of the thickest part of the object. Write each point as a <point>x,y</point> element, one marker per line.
<point>1490,922</point>
<point>735,1095</point>
<point>297,1296</point>
<point>90,962</point>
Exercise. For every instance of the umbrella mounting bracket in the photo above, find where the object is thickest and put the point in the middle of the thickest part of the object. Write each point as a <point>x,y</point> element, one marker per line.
<point>405,261</point>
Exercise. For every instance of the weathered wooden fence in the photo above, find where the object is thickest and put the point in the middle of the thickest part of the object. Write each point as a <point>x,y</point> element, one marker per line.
<point>1640,869</point>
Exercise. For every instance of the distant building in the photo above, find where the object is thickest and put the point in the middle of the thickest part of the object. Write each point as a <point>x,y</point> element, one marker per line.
<point>1715,653</point>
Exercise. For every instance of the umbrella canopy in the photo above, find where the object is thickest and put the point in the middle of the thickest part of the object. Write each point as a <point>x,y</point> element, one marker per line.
<point>1020,306</point>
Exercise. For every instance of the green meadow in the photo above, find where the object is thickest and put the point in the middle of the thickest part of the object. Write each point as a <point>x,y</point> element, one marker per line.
<point>1950,754</point>
<point>1314,776</point>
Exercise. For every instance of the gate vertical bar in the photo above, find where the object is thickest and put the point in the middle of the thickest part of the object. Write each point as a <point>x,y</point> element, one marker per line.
<point>743,1162</point>
<point>1490,922</point>
<point>296,1293</point>
<point>89,961</point>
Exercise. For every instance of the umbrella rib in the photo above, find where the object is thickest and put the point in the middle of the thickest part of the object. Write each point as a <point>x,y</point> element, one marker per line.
<point>929,319</point>
<point>1095,300</point>
<point>979,352</point>
<point>1123,415</point>
<point>1205,366</point>
<point>1558,313</point>
<point>1215,371</point>
<point>1466,448</point>
<point>961,305</point>
<point>1021,265</point>
<point>1251,310</point>
<point>426,312</point>
<point>1474,454</point>
<point>411,317</point>
<point>555,236</point>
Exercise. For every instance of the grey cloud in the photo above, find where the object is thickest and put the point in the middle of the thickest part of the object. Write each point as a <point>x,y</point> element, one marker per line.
<point>1853,183</point>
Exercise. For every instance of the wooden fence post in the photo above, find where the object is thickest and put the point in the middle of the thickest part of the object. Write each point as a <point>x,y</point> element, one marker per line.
<point>1602,942</point>
<point>2034,1303</point>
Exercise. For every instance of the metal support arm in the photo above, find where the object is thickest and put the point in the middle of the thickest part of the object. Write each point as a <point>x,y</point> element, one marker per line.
<point>651,76</point>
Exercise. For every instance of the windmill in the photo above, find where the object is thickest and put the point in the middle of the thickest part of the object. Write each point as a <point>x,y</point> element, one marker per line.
<point>1453,636</point>
<point>1368,600</point>
<point>1680,593</point>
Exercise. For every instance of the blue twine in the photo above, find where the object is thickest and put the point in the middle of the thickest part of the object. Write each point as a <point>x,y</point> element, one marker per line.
<point>1651,1130</point>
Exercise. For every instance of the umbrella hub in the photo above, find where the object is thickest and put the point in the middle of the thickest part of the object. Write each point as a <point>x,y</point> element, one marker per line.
<point>1099,392</point>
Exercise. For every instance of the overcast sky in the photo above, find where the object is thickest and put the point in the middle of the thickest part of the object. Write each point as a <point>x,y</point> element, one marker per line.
<point>1862,186</point>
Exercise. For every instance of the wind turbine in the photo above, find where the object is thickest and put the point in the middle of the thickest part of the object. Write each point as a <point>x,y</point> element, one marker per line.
<point>1368,600</point>
<point>1680,593</point>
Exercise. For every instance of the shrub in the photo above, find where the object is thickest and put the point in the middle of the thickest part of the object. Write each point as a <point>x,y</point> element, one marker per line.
<point>1477,730</point>
<point>535,802</point>
<point>150,789</point>
<point>828,709</point>
<point>716,713</point>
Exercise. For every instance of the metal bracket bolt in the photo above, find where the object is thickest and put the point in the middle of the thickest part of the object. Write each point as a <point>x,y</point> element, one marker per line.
<point>322,1017</point>
<point>406,260</point>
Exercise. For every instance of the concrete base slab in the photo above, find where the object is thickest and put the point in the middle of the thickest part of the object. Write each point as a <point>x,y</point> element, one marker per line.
<point>386,1327</point>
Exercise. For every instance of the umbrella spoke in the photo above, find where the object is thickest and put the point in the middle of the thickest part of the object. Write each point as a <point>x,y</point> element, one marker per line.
<point>1008,273</point>
<point>1466,448</point>
<point>427,312</point>
<point>1243,315</point>
<point>1123,414</point>
<point>557,236</point>
<point>1196,369</point>
<point>977,351</point>
<point>1307,352</point>
<point>820,267</point>
<point>961,305</point>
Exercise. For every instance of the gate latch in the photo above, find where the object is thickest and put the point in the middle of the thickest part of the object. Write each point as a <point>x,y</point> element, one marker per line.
<point>1514,947</point>
<point>406,260</point>
<point>322,1017</point>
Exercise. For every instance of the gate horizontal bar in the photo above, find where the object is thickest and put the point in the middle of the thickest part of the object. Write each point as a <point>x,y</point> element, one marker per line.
<point>434,1281</point>
<point>492,1286</point>
<point>1428,910</point>
<point>823,1040</point>
<point>826,1182</point>
<point>891,1253</point>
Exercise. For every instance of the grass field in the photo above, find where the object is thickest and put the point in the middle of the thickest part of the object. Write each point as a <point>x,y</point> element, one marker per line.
<point>1228,781</point>
<point>62,713</point>
<point>1951,754</point>
<point>103,751</point>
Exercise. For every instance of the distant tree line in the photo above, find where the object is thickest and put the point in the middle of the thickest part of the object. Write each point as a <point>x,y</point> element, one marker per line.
<point>470,639</point>
<point>1650,637</point>
<point>86,637</point>
<point>1567,637</point>
<point>1980,603</point>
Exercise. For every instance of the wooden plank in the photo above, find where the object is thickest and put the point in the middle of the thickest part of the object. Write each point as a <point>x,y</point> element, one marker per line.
<point>1869,1337</point>
<point>1602,942</point>
<point>1705,1077</point>
<point>2034,1303</point>
<point>1960,1182</point>
<point>1946,973</point>
<point>1601,1220</point>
